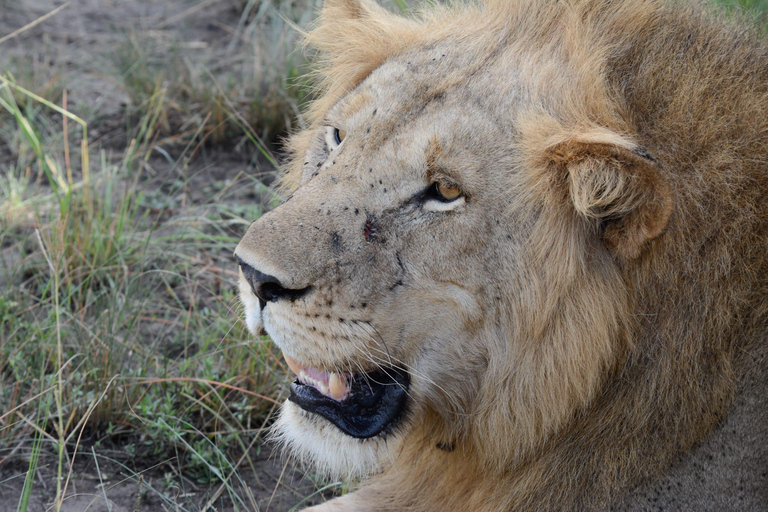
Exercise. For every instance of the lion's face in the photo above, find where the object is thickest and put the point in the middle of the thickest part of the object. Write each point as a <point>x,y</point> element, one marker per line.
<point>418,282</point>
<point>392,248</point>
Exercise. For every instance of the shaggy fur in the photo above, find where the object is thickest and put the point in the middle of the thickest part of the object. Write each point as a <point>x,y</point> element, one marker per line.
<point>572,324</point>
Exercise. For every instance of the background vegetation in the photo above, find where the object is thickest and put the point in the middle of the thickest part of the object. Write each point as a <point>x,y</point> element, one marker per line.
<point>133,155</point>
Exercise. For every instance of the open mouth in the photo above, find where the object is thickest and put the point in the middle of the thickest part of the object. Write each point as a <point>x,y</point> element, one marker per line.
<point>361,406</point>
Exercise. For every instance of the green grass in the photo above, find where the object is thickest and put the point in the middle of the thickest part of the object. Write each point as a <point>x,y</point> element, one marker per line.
<point>758,6</point>
<point>747,11</point>
<point>118,315</point>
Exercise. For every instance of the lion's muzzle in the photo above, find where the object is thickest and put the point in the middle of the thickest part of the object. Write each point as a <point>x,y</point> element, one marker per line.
<point>286,297</point>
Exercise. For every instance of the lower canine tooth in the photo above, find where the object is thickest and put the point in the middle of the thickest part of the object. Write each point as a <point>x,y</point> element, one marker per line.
<point>337,385</point>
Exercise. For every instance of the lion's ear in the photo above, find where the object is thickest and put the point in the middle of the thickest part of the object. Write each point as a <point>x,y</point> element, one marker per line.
<point>358,35</point>
<point>341,10</point>
<point>621,188</point>
<point>354,37</point>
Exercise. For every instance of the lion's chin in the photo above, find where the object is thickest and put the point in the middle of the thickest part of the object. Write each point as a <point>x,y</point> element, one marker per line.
<point>319,443</point>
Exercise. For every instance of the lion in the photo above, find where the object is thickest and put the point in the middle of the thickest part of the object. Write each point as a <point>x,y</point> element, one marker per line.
<point>522,263</point>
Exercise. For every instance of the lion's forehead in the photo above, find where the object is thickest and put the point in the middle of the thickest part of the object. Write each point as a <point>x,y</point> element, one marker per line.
<point>482,81</point>
<point>405,84</point>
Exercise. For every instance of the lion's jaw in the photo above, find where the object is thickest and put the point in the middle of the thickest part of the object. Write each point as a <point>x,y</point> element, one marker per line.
<point>449,291</point>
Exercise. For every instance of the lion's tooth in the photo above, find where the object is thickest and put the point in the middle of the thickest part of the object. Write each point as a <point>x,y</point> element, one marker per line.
<point>323,388</point>
<point>293,364</point>
<point>337,385</point>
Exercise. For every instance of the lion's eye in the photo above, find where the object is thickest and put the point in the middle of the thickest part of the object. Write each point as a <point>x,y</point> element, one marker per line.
<point>334,136</point>
<point>446,193</point>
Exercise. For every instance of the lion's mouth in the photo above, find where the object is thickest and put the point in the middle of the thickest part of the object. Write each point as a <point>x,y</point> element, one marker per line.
<point>362,405</point>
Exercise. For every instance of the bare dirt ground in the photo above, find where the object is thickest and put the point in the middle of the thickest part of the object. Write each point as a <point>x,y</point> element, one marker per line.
<point>76,47</point>
<point>275,485</point>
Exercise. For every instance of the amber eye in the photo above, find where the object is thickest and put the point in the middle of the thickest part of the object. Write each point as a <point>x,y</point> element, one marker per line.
<point>447,193</point>
<point>339,136</point>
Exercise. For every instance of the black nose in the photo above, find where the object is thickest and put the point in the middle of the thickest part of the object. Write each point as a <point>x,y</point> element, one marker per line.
<point>268,288</point>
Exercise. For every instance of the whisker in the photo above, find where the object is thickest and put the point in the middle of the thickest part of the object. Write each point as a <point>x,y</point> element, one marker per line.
<point>389,361</point>
<point>381,339</point>
<point>410,370</point>
<point>403,366</point>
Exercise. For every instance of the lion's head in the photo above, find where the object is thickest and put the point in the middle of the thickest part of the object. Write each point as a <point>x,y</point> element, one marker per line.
<point>453,269</point>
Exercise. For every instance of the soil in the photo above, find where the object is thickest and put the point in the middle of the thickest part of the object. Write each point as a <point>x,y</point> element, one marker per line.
<point>276,485</point>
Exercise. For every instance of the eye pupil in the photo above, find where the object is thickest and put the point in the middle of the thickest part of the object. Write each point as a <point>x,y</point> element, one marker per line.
<point>339,135</point>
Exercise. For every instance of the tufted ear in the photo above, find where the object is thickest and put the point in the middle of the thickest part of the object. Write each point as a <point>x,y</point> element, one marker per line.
<point>616,185</point>
<point>354,37</point>
<point>345,9</point>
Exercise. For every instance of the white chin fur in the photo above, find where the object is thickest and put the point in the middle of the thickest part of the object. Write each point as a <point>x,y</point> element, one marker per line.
<point>318,443</point>
<point>250,306</point>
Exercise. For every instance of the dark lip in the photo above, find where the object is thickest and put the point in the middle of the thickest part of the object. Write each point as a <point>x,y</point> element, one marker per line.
<point>375,404</point>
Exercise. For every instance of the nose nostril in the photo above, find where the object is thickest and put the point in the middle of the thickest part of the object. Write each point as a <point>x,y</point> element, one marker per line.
<point>266,287</point>
<point>270,291</point>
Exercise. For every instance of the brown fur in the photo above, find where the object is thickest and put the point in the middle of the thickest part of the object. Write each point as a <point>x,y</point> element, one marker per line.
<point>574,328</point>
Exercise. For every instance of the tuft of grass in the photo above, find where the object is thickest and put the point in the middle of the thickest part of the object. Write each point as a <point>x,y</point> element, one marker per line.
<point>252,68</point>
<point>119,324</point>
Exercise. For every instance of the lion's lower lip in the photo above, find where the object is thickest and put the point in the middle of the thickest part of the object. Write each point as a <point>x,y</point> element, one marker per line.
<point>376,402</point>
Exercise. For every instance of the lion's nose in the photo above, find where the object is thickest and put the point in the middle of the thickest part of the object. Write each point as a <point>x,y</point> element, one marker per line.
<point>268,288</point>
